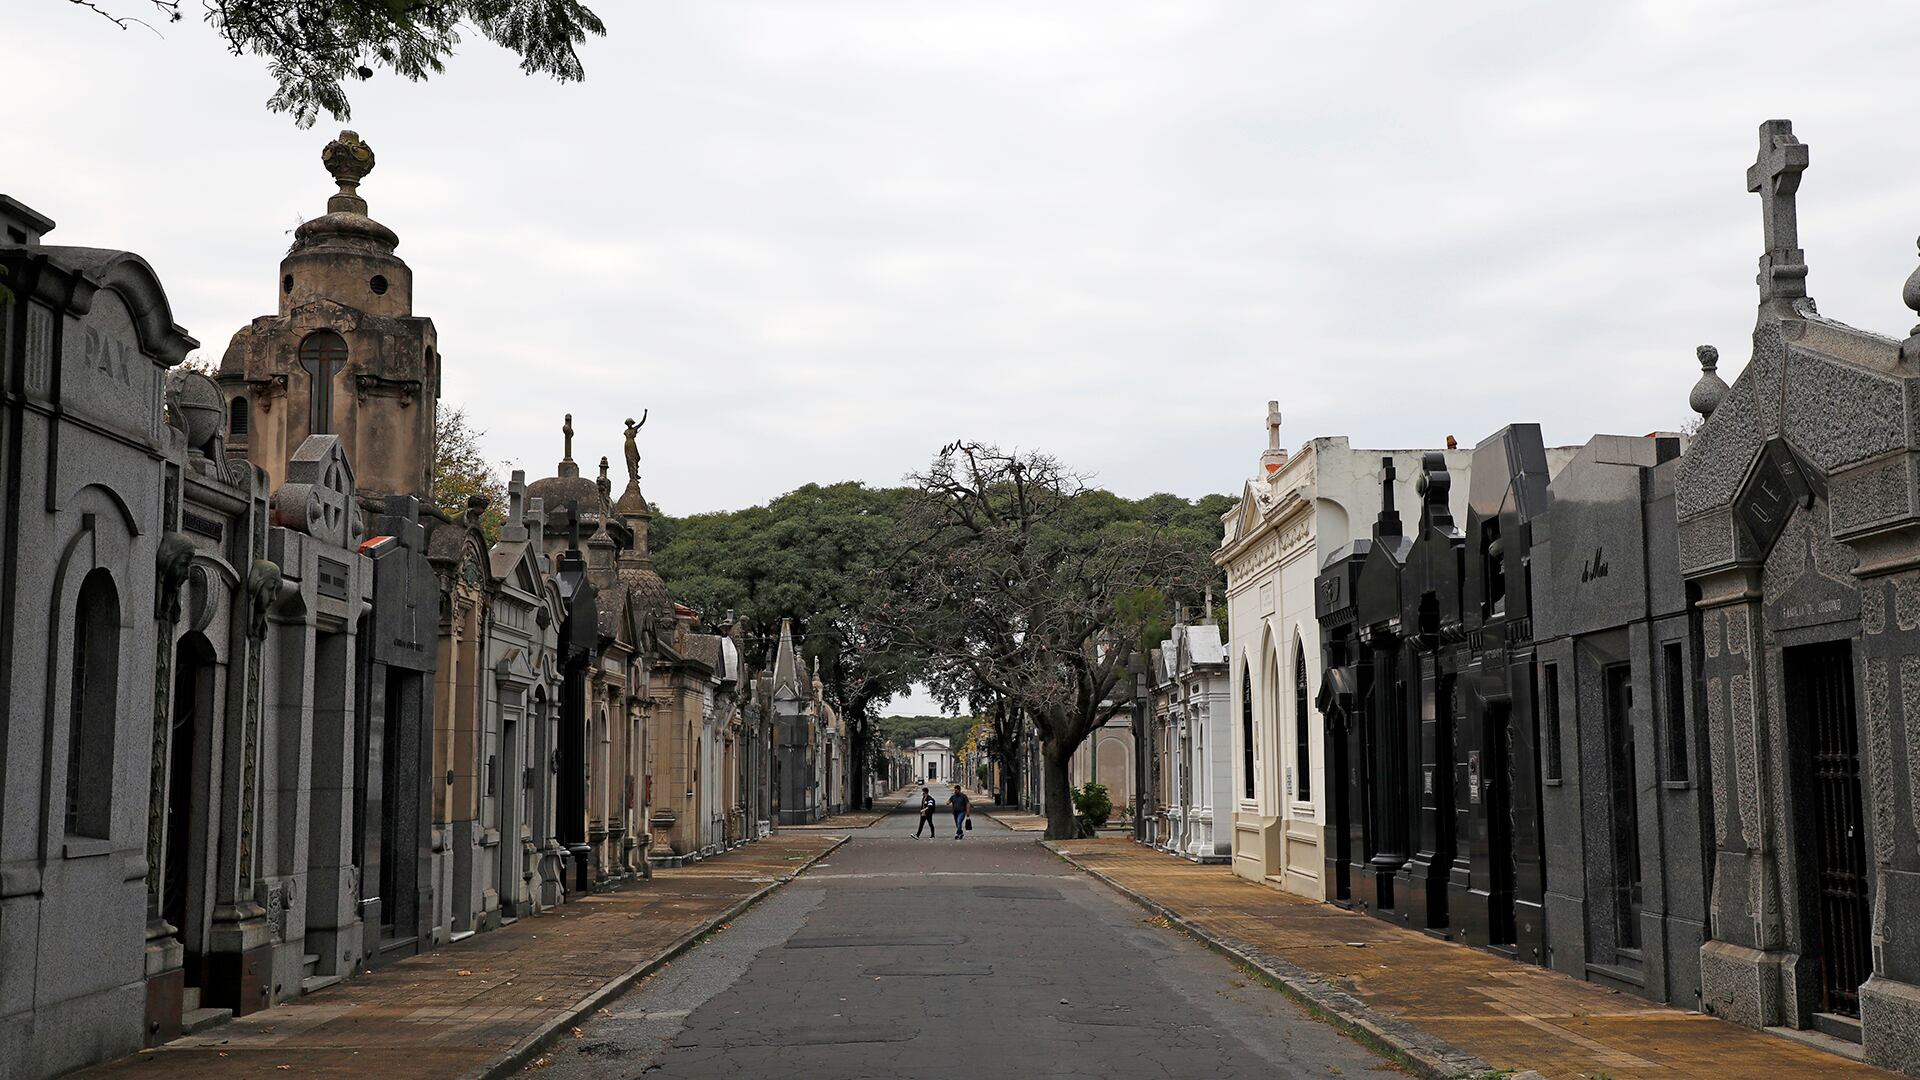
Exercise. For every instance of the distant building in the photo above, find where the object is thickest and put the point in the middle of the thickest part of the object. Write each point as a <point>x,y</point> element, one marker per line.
<point>932,759</point>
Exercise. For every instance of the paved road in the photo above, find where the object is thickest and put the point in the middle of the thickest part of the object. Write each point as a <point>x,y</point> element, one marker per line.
<point>903,957</point>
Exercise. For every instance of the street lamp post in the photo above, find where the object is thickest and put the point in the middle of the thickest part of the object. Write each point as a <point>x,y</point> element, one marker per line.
<point>1138,665</point>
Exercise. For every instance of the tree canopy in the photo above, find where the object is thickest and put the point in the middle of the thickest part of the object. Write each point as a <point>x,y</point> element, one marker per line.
<point>461,471</point>
<point>900,731</point>
<point>314,47</point>
<point>1001,581</point>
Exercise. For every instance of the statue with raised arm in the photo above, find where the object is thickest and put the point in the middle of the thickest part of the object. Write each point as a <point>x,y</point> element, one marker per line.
<point>633,447</point>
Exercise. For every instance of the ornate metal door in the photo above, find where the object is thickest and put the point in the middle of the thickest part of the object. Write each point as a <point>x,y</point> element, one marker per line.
<point>1819,686</point>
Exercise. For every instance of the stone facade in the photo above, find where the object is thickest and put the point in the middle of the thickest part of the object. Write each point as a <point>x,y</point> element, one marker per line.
<point>1799,531</point>
<point>86,340</point>
<point>1299,511</point>
<point>1189,767</point>
<point>291,720</point>
<point>1622,780</point>
<point>1428,694</point>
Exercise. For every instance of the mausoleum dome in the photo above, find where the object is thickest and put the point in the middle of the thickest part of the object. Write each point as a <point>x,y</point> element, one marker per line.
<point>344,255</point>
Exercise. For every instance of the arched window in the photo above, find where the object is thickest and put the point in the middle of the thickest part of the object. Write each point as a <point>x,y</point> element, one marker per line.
<point>237,417</point>
<point>323,353</point>
<point>1302,753</point>
<point>95,701</point>
<point>1246,726</point>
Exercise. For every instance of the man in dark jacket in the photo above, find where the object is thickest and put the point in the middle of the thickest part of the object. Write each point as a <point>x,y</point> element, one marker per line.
<point>926,814</point>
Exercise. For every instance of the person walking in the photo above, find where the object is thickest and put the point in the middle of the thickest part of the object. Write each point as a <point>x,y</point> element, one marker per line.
<point>960,804</point>
<point>926,815</point>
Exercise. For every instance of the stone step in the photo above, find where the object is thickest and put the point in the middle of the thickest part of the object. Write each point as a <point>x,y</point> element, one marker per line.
<point>308,963</point>
<point>197,1020</point>
<point>189,999</point>
<point>317,982</point>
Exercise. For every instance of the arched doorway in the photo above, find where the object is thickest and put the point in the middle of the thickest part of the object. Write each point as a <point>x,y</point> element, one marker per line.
<point>190,721</point>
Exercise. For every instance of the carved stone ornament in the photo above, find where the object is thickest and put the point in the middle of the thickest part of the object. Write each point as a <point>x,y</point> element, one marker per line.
<point>175,559</point>
<point>349,161</point>
<point>318,497</point>
<point>1711,390</point>
<point>263,591</point>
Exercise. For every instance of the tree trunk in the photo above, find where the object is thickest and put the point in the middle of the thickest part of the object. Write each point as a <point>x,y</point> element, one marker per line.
<point>861,766</point>
<point>1062,822</point>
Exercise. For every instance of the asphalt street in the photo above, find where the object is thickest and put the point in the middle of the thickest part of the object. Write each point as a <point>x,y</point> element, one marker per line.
<point>903,957</point>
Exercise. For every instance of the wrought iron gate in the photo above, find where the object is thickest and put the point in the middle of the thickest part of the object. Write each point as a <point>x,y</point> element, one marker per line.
<point>1819,685</point>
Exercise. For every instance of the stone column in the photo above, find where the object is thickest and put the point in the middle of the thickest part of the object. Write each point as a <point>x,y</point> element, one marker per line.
<point>1742,968</point>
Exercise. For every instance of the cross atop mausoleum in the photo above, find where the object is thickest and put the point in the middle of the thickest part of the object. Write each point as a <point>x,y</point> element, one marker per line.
<point>1775,175</point>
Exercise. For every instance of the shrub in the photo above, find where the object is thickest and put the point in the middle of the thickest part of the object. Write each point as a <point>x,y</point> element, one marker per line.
<point>1093,804</point>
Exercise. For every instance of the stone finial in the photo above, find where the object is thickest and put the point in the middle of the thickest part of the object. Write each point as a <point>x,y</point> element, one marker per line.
<point>1910,348</point>
<point>1711,389</point>
<point>605,483</point>
<point>349,161</point>
<point>1775,176</point>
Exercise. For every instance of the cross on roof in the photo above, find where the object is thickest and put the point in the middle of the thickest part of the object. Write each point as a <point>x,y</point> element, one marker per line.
<point>1775,175</point>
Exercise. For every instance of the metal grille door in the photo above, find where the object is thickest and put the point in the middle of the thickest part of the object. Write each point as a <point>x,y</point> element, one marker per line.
<point>1820,699</point>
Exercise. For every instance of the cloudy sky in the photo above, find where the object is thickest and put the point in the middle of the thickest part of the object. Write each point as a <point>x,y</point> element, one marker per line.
<point>819,239</point>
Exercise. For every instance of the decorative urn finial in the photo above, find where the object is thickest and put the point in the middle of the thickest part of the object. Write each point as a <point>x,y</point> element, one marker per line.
<point>1711,389</point>
<point>349,161</point>
<point>1910,348</point>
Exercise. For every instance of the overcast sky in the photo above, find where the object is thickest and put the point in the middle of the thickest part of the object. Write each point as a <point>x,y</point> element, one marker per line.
<point>818,240</point>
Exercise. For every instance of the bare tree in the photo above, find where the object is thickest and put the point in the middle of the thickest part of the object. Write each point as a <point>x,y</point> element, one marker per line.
<point>1014,584</point>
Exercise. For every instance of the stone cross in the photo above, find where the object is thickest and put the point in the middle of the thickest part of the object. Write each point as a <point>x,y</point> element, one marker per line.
<point>1388,524</point>
<point>1273,425</point>
<point>566,436</point>
<point>1775,175</point>
<point>321,363</point>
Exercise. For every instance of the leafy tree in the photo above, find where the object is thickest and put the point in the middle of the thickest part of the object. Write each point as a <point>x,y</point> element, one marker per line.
<point>901,731</point>
<point>312,47</point>
<point>1018,582</point>
<point>461,471</point>
<point>810,556</point>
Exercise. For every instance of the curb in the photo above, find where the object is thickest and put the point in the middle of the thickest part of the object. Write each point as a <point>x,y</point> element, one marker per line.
<point>524,1051</point>
<point>1427,1055</point>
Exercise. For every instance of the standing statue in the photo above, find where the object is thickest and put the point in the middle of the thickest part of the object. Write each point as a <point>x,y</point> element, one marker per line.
<point>633,447</point>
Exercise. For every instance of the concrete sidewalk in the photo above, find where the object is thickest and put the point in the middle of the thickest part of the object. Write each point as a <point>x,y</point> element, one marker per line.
<point>1445,1009</point>
<point>485,1006</point>
<point>1014,818</point>
<point>852,819</point>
